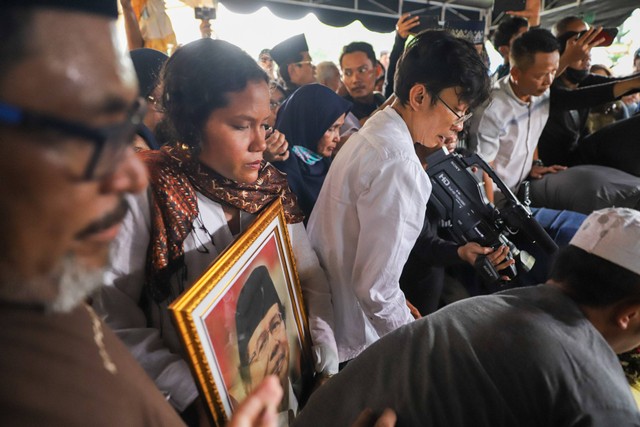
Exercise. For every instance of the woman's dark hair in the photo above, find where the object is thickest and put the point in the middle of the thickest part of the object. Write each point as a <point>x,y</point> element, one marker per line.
<point>439,60</point>
<point>525,47</point>
<point>594,281</point>
<point>197,79</point>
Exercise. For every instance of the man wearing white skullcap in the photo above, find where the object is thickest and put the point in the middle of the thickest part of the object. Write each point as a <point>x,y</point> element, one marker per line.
<point>537,356</point>
<point>612,234</point>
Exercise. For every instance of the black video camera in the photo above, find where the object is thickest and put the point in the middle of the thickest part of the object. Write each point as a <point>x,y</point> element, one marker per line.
<point>467,215</point>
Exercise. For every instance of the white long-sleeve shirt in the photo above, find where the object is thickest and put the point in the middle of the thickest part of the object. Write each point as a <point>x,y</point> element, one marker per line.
<point>157,347</point>
<point>506,131</point>
<point>367,218</point>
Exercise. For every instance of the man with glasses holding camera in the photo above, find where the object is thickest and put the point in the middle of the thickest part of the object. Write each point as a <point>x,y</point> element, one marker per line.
<point>371,208</point>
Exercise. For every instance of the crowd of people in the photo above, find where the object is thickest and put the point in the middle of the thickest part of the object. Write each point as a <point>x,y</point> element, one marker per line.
<point>117,194</point>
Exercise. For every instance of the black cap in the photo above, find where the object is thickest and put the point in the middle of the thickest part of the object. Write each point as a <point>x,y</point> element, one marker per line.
<point>256,298</point>
<point>288,51</point>
<point>108,8</point>
<point>148,63</point>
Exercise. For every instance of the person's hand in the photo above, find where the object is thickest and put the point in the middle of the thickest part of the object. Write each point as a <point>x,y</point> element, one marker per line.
<point>405,24</point>
<point>531,12</point>
<point>260,408</point>
<point>578,48</point>
<point>498,258</point>
<point>451,142</point>
<point>277,148</point>
<point>367,419</point>
<point>538,172</point>
<point>414,311</point>
<point>205,28</point>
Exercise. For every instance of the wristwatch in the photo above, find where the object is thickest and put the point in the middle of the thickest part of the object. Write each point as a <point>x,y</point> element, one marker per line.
<point>537,162</point>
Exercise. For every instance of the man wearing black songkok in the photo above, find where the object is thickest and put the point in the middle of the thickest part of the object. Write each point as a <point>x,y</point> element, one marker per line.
<point>294,62</point>
<point>262,336</point>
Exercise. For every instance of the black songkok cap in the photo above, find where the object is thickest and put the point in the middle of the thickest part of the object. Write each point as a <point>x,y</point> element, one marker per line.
<point>148,63</point>
<point>108,8</point>
<point>288,51</point>
<point>256,298</point>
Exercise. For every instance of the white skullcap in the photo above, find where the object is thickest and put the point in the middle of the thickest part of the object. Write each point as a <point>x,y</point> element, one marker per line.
<point>612,234</point>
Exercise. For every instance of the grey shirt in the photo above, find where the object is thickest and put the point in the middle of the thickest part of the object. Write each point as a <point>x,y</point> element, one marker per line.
<point>525,357</point>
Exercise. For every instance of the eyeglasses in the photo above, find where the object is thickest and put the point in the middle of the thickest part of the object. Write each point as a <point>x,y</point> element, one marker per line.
<point>275,327</point>
<point>460,119</point>
<point>301,63</point>
<point>110,142</point>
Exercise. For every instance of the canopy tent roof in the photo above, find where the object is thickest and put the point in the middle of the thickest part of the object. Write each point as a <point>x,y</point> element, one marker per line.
<point>376,15</point>
<point>381,15</point>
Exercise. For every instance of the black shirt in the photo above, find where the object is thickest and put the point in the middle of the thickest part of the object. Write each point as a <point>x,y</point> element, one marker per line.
<point>361,110</point>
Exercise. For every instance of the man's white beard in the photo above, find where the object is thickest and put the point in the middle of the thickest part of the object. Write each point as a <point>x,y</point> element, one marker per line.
<point>75,284</point>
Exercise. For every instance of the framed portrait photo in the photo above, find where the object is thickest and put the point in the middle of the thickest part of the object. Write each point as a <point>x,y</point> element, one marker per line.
<point>244,318</point>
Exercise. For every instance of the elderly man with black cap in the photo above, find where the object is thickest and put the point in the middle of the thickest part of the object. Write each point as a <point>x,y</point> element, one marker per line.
<point>262,338</point>
<point>294,62</point>
<point>534,356</point>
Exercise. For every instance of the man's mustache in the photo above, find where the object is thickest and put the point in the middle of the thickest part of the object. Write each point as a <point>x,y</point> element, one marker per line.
<point>109,220</point>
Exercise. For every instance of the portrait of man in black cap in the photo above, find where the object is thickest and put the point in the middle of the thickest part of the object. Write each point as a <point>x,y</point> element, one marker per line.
<point>263,345</point>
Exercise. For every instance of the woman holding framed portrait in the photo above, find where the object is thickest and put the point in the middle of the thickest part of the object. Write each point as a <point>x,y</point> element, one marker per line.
<point>206,189</point>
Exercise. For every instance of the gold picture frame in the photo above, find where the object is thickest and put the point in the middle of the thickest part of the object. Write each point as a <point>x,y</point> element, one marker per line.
<point>233,320</point>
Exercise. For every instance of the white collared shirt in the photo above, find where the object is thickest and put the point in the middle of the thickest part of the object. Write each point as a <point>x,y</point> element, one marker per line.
<point>367,218</point>
<point>507,130</point>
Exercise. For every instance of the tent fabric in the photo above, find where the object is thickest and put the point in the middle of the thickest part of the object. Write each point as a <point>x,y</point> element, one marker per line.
<point>378,15</point>
<point>382,15</point>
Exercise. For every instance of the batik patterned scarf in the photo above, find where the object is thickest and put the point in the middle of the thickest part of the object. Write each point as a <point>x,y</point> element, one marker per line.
<point>175,175</point>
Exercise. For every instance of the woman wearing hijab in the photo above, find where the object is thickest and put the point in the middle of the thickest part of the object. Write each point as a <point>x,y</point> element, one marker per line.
<point>311,119</point>
<point>205,189</point>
